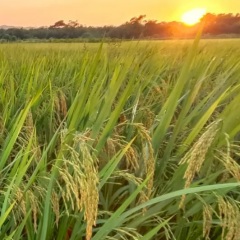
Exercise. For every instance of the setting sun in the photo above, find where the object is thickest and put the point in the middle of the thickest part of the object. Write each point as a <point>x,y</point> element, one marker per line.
<point>193,16</point>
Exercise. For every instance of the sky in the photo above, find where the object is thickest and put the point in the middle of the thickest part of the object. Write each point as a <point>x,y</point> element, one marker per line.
<point>35,13</point>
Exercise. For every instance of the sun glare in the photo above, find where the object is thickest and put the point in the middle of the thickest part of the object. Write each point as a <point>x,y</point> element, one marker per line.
<point>193,16</point>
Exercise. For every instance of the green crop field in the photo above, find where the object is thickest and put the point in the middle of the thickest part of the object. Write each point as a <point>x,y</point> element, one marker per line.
<point>118,141</point>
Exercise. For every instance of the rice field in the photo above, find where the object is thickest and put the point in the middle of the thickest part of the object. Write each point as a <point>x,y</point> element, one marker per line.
<point>115,141</point>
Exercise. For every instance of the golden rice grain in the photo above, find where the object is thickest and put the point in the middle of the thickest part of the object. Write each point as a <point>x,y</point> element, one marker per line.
<point>55,206</point>
<point>229,215</point>
<point>196,155</point>
<point>80,177</point>
<point>207,221</point>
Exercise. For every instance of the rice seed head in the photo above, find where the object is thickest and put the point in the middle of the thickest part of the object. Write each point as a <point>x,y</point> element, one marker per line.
<point>148,157</point>
<point>55,206</point>
<point>79,175</point>
<point>196,155</point>
<point>90,197</point>
<point>28,132</point>
<point>111,147</point>
<point>34,205</point>
<point>132,160</point>
<point>69,182</point>
<point>57,107</point>
<point>26,199</point>
<point>157,90</point>
<point>150,118</point>
<point>29,125</point>
<point>121,123</point>
<point>145,164</point>
<point>127,233</point>
<point>128,176</point>
<point>229,215</point>
<point>225,177</point>
<point>63,105</point>
<point>230,164</point>
<point>60,107</point>
<point>21,201</point>
<point>207,221</point>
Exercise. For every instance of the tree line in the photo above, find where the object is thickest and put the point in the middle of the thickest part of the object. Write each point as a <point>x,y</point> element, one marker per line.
<point>136,28</point>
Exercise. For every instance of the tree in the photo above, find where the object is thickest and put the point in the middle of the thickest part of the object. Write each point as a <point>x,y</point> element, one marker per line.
<point>59,24</point>
<point>138,19</point>
<point>73,24</point>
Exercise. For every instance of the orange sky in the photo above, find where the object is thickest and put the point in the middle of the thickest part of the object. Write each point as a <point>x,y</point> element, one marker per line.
<point>103,12</point>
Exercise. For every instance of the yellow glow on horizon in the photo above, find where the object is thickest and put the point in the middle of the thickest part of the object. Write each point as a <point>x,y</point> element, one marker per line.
<point>28,13</point>
<point>193,16</point>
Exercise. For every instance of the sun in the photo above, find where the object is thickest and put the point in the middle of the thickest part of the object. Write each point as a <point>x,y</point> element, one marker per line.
<point>193,16</point>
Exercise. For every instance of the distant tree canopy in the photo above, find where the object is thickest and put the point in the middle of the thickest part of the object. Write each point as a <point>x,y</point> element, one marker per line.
<point>62,24</point>
<point>136,28</point>
<point>222,23</point>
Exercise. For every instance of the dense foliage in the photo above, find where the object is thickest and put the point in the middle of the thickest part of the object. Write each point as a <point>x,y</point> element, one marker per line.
<point>137,27</point>
<point>120,141</point>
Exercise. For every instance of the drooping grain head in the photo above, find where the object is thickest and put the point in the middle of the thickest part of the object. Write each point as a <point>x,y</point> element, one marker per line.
<point>230,164</point>
<point>229,215</point>
<point>207,221</point>
<point>79,181</point>
<point>148,157</point>
<point>196,155</point>
<point>26,199</point>
<point>60,107</point>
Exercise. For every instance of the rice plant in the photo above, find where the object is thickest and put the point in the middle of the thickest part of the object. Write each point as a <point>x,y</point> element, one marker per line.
<point>128,141</point>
